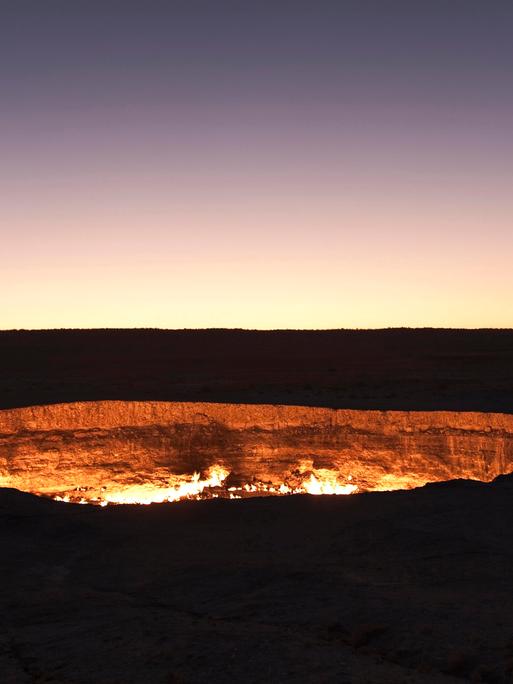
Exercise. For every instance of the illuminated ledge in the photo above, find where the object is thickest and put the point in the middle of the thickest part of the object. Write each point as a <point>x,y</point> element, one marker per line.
<point>149,451</point>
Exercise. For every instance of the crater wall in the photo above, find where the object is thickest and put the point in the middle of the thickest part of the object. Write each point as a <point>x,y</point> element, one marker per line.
<point>109,445</point>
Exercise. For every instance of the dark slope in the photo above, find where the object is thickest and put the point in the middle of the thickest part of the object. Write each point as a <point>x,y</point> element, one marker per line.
<point>383,369</point>
<point>395,587</point>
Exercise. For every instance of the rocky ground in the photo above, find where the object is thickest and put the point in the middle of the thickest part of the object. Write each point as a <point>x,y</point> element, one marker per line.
<point>388,587</point>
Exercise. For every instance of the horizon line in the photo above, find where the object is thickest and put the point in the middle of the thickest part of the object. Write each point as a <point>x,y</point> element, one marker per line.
<point>262,330</point>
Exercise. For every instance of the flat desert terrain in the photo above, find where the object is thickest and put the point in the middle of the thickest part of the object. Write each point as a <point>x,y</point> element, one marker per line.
<point>401,369</point>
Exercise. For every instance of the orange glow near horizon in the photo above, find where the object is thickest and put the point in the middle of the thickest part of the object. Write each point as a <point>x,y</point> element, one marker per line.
<point>341,274</point>
<point>319,261</point>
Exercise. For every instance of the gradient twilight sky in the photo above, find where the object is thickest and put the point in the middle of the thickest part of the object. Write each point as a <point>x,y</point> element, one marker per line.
<point>283,164</point>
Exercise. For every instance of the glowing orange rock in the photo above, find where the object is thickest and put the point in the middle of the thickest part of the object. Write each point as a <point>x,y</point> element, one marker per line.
<point>143,452</point>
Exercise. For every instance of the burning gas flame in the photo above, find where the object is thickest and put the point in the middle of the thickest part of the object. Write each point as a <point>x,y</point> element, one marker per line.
<point>326,482</point>
<point>179,488</point>
<point>307,480</point>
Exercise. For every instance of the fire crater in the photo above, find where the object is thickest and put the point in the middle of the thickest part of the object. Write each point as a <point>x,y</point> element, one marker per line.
<point>115,452</point>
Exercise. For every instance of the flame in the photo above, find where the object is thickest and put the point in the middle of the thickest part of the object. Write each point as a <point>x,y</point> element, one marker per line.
<point>304,480</point>
<point>325,481</point>
<point>180,488</point>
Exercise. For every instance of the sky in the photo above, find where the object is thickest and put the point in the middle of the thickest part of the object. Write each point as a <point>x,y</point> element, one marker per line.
<point>283,164</point>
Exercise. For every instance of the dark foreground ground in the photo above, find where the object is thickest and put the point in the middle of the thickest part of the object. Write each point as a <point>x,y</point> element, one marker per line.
<point>393,587</point>
<point>382,369</point>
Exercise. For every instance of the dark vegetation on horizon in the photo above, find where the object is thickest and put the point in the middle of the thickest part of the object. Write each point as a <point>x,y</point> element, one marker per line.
<point>397,368</point>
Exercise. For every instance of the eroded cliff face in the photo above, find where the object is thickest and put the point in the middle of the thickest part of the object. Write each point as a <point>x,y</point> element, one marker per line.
<point>99,451</point>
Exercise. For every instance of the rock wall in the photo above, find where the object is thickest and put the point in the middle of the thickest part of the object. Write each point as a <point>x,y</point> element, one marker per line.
<point>110,445</point>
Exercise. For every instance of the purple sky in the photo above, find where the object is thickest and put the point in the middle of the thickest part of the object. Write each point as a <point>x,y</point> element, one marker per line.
<point>243,164</point>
